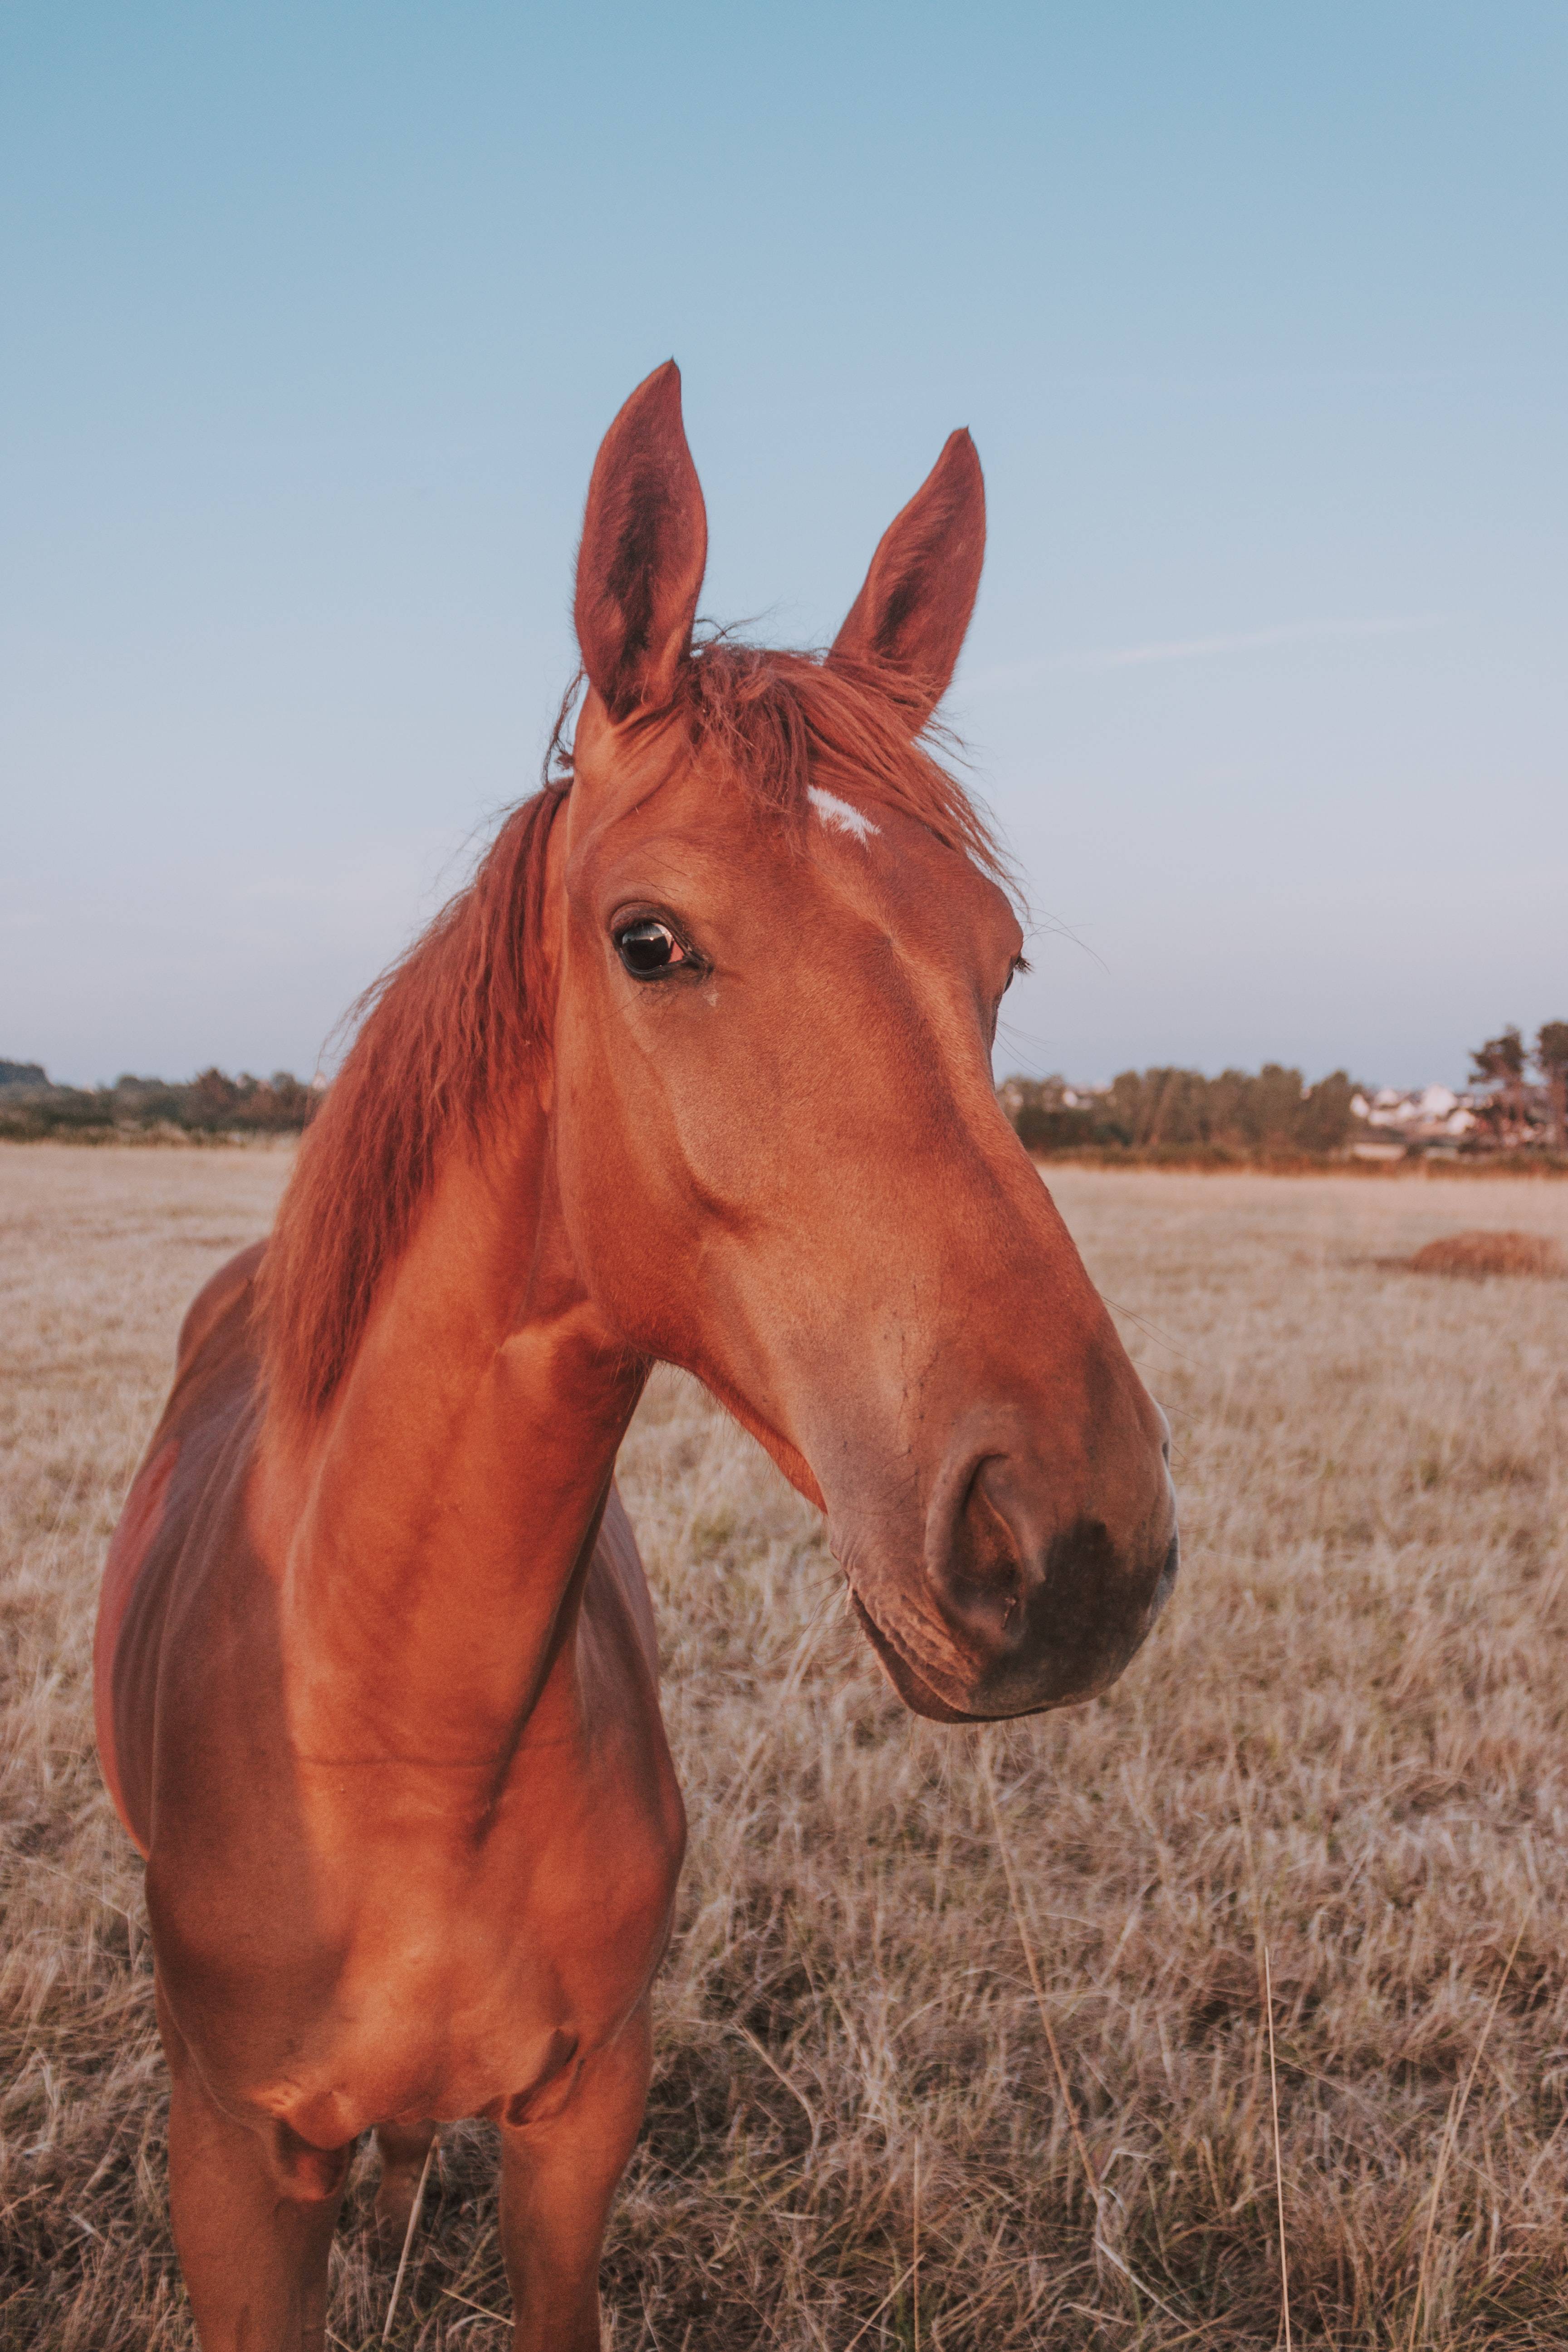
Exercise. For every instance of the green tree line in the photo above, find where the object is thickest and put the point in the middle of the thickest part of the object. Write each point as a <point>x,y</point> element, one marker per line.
<point>210,1104</point>
<point>1272,1113</point>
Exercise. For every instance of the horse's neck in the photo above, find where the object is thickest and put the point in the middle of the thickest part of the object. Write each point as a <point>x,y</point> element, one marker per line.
<point>434,1526</point>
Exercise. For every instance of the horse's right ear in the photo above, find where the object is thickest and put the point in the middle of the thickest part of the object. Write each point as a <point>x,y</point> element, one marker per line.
<point>645,548</point>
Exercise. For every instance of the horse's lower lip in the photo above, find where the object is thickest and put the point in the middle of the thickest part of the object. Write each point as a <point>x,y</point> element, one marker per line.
<point>918,1692</point>
<point>921,1696</point>
<point>911,1686</point>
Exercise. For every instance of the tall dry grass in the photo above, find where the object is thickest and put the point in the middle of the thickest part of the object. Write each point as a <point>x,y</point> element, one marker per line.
<point>1340,1761</point>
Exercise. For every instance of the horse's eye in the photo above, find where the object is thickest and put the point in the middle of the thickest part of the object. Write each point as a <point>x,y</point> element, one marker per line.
<point>649,948</point>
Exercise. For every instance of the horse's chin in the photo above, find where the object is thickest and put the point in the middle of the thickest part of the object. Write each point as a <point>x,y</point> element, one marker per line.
<point>912,1687</point>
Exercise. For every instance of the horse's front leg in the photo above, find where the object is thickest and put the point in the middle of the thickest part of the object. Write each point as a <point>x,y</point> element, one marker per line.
<point>557,2180</point>
<point>253,2210</point>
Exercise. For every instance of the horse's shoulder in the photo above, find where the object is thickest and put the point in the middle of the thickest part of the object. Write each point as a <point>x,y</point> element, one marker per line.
<point>213,1387</point>
<point>214,1379</point>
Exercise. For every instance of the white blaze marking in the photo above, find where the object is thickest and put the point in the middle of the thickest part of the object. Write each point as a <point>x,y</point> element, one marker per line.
<point>840,815</point>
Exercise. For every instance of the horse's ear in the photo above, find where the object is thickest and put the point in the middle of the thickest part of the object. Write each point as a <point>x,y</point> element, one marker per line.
<point>912,613</point>
<point>645,546</point>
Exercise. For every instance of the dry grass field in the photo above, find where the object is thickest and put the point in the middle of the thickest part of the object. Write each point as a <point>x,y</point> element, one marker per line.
<point>1342,1754</point>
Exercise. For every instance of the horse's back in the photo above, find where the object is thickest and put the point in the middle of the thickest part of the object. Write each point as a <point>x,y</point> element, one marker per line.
<point>214,1381</point>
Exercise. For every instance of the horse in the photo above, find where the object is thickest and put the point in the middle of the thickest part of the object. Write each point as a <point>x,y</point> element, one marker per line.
<point>696,1071</point>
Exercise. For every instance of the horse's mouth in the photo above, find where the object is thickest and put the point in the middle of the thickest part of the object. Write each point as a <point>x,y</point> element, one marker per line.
<point>911,1686</point>
<point>921,1696</point>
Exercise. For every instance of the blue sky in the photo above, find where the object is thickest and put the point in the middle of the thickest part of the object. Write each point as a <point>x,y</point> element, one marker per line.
<point>313,318</point>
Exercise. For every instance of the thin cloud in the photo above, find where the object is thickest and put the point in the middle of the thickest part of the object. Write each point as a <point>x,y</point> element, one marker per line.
<point>1185,649</point>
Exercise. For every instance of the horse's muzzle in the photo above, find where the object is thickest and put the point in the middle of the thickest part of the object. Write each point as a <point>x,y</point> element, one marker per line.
<point>1015,1614</point>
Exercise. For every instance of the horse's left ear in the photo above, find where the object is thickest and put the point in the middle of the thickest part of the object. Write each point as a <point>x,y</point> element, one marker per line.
<point>645,548</point>
<point>912,613</point>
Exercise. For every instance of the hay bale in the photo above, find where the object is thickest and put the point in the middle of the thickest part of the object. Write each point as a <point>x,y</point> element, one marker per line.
<point>1476,1254</point>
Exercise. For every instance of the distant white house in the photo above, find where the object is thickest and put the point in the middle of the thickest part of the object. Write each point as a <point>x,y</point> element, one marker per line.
<point>1417,1115</point>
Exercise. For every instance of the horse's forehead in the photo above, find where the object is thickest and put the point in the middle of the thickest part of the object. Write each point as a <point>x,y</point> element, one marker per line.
<point>694,830</point>
<point>719,837</point>
<point>841,816</point>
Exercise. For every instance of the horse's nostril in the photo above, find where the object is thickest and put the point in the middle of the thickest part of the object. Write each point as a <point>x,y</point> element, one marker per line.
<point>1033,1604</point>
<point>991,1553</point>
<point>981,1578</point>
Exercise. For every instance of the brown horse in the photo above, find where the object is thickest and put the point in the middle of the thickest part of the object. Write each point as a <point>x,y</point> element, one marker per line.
<point>697,1071</point>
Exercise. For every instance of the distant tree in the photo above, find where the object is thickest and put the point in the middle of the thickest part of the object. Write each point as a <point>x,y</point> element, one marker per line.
<point>1147,1109</point>
<point>1499,1059</point>
<point>1324,1116</point>
<point>1124,1106</point>
<point>1044,1120</point>
<point>293,1101</point>
<point>146,1101</point>
<point>1552,1061</point>
<point>212,1099</point>
<point>1499,1066</point>
<point>1275,1109</point>
<point>1179,1112</point>
<point>1062,1130</point>
<point>273,1105</point>
<point>1019,1094</point>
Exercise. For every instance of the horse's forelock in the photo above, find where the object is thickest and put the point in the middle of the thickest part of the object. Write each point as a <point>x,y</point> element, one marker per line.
<point>777,722</point>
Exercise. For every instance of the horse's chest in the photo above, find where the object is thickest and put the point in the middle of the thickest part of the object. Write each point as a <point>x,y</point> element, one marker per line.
<point>440,1972</point>
<point>488,1993</point>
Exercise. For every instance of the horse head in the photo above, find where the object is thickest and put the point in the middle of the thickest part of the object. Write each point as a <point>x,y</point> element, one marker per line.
<point>778,947</point>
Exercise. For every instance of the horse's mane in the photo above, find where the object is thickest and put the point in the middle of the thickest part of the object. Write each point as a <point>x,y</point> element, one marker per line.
<point>450,1030</point>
